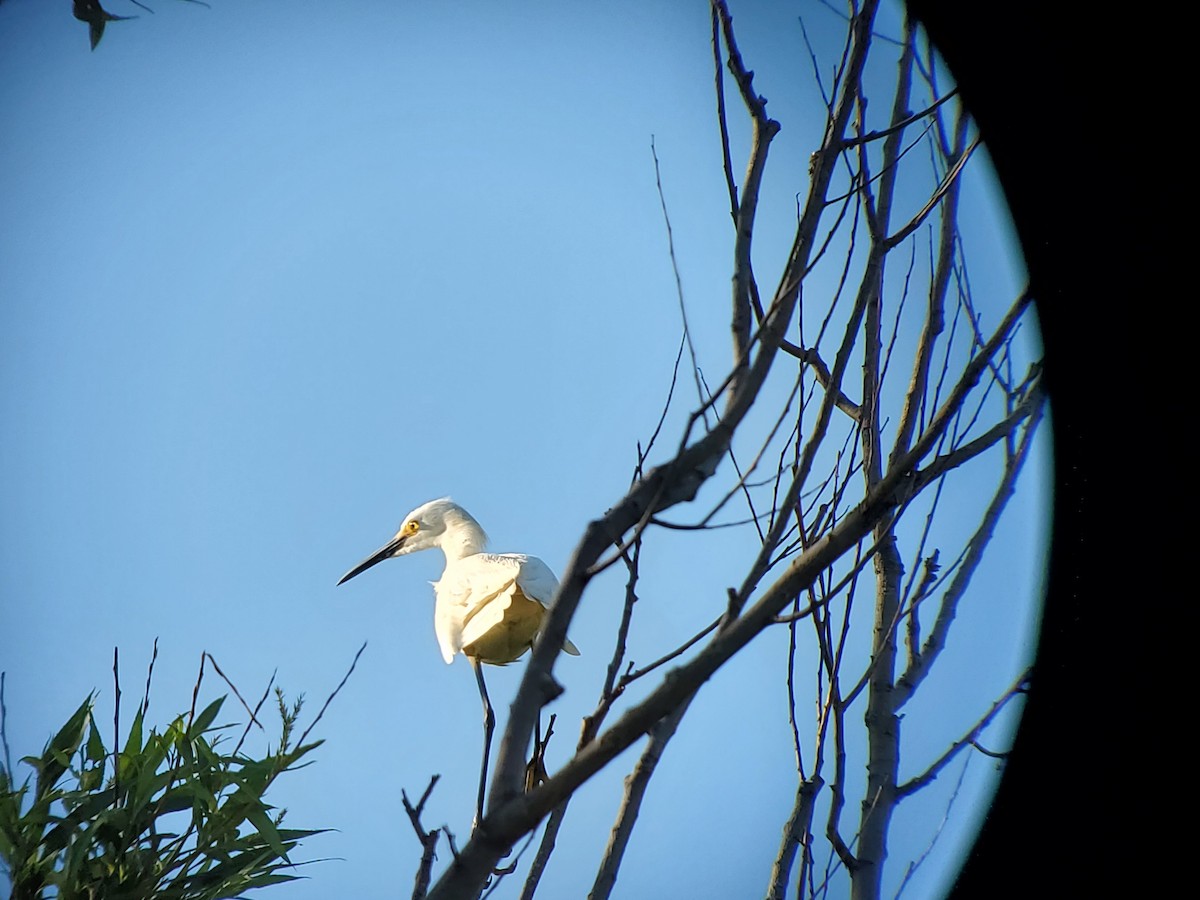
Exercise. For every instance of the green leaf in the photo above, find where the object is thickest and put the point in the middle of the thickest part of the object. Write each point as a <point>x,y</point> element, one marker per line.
<point>57,756</point>
<point>205,755</point>
<point>91,778</point>
<point>95,746</point>
<point>93,805</point>
<point>133,744</point>
<point>149,780</point>
<point>262,822</point>
<point>295,835</point>
<point>205,719</point>
<point>178,798</point>
<point>204,796</point>
<point>155,751</point>
<point>270,878</point>
<point>56,839</point>
<point>70,735</point>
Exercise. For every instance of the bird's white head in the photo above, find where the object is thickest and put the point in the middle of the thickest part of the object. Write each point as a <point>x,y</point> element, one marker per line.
<point>439,523</point>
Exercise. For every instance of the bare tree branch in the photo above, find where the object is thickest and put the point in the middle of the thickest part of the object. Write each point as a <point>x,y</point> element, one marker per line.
<point>824,531</point>
<point>796,832</point>
<point>631,803</point>
<point>662,487</point>
<point>933,201</point>
<point>428,840</point>
<point>591,723</point>
<point>919,668</point>
<point>719,79</point>
<point>934,323</point>
<point>1020,686</point>
<point>812,359</point>
<point>901,125</point>
<point>764,130</point>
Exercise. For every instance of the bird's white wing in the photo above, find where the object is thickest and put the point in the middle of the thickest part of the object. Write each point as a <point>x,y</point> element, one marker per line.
<point>472,596</point>
<point>534,577</point>
<point>447,620</point>
<point>477,591</point>
<point>539,583</point>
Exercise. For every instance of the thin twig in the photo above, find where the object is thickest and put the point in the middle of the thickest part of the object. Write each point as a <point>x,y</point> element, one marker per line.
<point>912,867</point>
<point>149,676</point>
<point>687,332</point>
<point>428,839</point>
<point>196,688</point>
<point>764,130</point>
<point>236,692</point>
<point>632,675</point>
<point>994,754</point>
<point>1020,686</point>
<point>117,729</point>
<point>329,699</point>
<point>719,77</point>
<point>933,201</point>
<point>708,526</point>
<point>254,714</point>
<point>8,769</point>
<point>501,872</point>
<point>644,453</point>
<point>755,104</point>
<point>899,126</point>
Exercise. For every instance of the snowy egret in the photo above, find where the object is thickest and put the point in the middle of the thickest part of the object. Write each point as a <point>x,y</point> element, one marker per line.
<point>489,606</point>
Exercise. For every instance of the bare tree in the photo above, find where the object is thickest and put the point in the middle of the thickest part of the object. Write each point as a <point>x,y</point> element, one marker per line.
<point>845,480</point>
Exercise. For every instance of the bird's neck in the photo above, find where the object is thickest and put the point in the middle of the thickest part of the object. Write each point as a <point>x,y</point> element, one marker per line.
<point>465,540</point>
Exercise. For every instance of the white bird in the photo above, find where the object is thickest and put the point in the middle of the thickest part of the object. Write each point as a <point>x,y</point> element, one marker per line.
<point>489,606</point>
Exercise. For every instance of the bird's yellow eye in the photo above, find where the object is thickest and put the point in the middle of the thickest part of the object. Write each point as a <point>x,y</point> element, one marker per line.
<point>411,526</point>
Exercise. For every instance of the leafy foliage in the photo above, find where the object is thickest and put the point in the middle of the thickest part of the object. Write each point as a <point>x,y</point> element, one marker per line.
<point>168,816</point>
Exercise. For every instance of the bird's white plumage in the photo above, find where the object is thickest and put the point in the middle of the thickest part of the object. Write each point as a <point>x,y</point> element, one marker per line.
<point>475,593</point>
<point>489,606</point>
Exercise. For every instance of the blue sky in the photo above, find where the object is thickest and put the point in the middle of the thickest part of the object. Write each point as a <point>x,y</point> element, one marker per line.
<point>269,280</point>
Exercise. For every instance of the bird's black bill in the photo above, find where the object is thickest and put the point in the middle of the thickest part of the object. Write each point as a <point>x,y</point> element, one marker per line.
<point>384,552</point>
